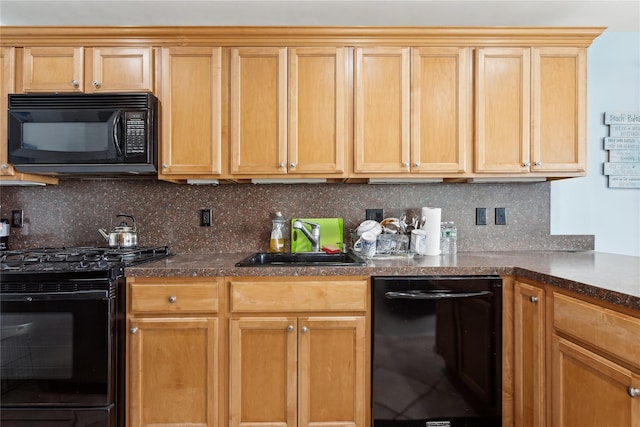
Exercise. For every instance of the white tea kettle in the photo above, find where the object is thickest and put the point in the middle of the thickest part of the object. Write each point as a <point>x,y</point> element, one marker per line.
<point>123,236</point>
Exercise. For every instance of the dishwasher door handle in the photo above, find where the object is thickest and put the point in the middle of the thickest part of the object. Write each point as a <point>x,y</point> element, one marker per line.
<point>434,295</point>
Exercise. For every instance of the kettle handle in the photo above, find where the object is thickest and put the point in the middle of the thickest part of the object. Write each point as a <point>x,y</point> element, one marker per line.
<point>129,216</point>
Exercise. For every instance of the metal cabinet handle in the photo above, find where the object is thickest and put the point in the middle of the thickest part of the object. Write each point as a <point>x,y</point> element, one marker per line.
<point>526,164</point>
<point>538,163</point>
<point>416,165</point>
<point>633,392</point>
<point>172,299</point>
<point>164,165</point>
<point>74,83</point>
<point>4,166</point>
<point>533,299</point>
<point>133,330</point>
<point>280,165</point>
<point>405,164</point>
<point>290,328</point>
<point>95,84</point>
<point>292,165</point>
<point>304,329</point>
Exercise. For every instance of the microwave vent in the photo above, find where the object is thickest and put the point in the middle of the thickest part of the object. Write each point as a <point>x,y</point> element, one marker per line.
<point>77,101</point>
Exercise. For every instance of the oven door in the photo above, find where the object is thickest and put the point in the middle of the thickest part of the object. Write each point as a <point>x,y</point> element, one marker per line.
<point>57,349</point>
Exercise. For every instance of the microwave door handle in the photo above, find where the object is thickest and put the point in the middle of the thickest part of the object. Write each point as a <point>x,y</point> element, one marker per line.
<point>116,134</point>
<point>421,295</point>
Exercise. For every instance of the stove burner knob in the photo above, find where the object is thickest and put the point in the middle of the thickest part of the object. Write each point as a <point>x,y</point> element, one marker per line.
<point>29,299</point>
<point>172,299</point>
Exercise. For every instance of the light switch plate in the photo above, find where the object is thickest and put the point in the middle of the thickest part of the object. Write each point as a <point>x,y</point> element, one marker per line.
<point>501,216</point>
<point>481,216</point>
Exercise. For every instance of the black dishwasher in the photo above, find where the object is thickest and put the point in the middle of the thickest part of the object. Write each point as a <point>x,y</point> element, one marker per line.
<point>437,351</point>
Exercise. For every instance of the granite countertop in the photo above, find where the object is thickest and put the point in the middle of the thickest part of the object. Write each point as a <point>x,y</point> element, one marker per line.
<point>608,277</point>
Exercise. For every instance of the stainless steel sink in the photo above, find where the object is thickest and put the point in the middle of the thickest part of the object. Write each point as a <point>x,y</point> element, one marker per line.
<point>302,259</point>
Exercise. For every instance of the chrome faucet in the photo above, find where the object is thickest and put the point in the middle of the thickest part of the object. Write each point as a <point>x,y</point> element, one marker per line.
<point>313,236</point>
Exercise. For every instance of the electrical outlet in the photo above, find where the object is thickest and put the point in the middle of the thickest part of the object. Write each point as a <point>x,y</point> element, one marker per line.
<point>501,216</point>
<point>205,217</point>
<point>374,214</point>
<point>481,216</point>
<point>17,218</point>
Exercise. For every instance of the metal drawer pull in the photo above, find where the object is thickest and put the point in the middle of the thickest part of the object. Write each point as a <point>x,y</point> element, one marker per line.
<point>133,330</point>
<point>533,299</point>
<point>304,329</point>
<point>290,328</point>
<point>633,392</point>
<point>95,84</point>
<point>172,299</point>
<point>74,83</point>
<point>433,295</point>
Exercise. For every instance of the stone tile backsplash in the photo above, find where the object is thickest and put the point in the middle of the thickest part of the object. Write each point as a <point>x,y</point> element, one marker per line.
<point>70,213</point>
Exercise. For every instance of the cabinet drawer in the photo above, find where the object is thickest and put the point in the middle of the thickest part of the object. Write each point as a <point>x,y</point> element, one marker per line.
<point>251,295</point>
<point>614,333</point>
<point>174,298</point>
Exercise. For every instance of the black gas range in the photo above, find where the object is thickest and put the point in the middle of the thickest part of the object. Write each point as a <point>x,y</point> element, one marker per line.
<point>62,335</point>
<point>74,262</point>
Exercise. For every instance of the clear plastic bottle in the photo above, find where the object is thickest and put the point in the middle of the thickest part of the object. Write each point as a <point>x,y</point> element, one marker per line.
<point>276,243</point>
<point>444,247</point>
<point>452,239</point>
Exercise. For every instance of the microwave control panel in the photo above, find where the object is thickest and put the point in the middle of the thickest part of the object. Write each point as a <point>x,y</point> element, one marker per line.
<point>135,125</point>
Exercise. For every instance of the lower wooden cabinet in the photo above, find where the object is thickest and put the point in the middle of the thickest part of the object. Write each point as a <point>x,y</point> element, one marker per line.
<point>173,349</point>
<point>529,360</point>
<point>297,371</point>
<point>173,375</point>
<point>595,363</point>
<point>575,362</point>
<point>291,369</point>
<point>591,390</point>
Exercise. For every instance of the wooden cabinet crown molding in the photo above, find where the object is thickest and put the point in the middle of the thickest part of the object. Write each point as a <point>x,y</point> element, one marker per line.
<point>300,36</point>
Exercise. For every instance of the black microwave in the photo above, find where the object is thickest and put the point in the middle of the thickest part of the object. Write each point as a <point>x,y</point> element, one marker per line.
<point>83,134</point>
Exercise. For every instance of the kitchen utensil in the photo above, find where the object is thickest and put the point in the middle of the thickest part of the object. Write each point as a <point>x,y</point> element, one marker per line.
<point>123,236</point>
<point>369,225</point>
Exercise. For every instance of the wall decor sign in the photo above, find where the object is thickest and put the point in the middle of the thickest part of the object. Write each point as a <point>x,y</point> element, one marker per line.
<point>623,144</point>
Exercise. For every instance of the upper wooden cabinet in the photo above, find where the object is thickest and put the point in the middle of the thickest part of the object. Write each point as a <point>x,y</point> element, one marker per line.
<point>530,111</point>
<point>412,111</point>
<point>382,110</point>
<point>337,103</point>
<point>191,112</point>
<point>559,110</point>
<point>7,86</point>
<point>288,111</point>
<point>76,69</point>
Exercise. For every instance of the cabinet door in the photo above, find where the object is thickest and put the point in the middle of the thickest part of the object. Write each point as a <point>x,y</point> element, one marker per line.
<point>173,372</point>
<point>382,103</point>
<point>440,109</point>
<point>119,69</point>
<point>332,372</point>
<point>318,107</point>
<point>191,111</point>
<point>262,377</point>
<point>258,110</point>
<point>7,86</point>
<point>590,390</point>
<point>529,348</point>
<point>503,83</point>
<point>53,69</point>
<point>559,109</point>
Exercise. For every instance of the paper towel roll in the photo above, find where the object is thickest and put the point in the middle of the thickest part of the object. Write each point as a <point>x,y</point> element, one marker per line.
<point>432,218</point>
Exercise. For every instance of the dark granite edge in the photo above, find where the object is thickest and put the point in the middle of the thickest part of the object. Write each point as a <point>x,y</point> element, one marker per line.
<point>606,295</point>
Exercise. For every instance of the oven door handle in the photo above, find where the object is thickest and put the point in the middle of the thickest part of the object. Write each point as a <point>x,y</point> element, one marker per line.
<point>56,296</point>
<point>434,295</point>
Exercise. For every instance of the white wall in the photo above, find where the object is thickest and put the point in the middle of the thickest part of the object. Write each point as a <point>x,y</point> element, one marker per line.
<point>586,205</point>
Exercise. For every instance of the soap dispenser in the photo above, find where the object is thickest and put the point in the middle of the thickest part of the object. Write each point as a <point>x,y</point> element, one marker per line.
<point>276,243</point>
